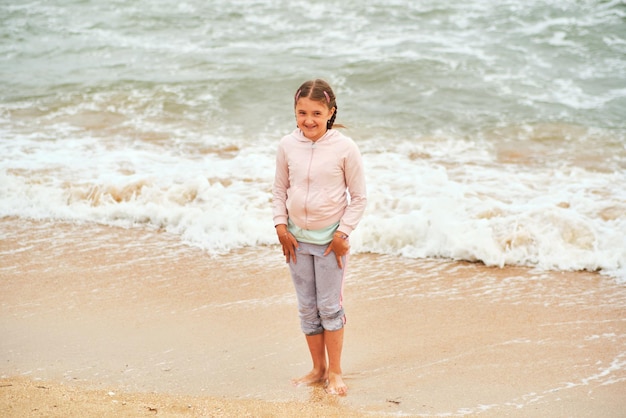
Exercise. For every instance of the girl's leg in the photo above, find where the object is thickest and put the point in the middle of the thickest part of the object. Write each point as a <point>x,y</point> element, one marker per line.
<point>317,349</point>
<point>334,345</point>
<point>329,280</point>
<point>303,276</point>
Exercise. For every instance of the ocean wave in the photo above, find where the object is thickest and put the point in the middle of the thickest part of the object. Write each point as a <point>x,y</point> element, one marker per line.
<point>420,205</point>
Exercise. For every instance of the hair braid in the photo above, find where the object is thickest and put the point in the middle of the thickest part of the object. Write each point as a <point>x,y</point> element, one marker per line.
<point>331,121</point>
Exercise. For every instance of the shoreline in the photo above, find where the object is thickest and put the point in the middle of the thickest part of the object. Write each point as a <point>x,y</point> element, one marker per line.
<point>89,308</point>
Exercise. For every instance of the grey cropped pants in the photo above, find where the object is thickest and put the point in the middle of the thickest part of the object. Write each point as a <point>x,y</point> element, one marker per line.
<point>319,287</point>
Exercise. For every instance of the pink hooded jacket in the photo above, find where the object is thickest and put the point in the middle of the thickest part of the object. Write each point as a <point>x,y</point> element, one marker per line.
<point>319,183</point>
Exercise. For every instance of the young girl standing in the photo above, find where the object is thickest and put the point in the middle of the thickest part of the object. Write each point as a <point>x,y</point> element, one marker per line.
<point>319,197</point>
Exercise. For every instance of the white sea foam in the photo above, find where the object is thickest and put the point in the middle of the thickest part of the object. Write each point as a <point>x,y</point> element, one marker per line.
<point>552,218</point>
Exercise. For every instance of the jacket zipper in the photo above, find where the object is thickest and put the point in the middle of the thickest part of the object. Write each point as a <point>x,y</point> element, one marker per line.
<point>308,186</point>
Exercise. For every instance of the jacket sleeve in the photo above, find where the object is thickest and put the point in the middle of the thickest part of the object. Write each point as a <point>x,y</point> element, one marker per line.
<point>280,187</point>
<point>355,181</point>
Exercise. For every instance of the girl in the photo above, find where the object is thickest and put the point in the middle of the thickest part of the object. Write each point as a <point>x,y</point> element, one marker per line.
<point>319,198</point>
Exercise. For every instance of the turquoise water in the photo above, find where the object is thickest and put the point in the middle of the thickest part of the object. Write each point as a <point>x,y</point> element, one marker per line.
<point>491,131</point>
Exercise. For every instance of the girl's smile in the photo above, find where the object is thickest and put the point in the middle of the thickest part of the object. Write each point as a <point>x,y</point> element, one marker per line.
<point>312,117</point>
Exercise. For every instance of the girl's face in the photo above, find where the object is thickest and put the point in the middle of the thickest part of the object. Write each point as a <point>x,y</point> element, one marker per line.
<point>311,117</point>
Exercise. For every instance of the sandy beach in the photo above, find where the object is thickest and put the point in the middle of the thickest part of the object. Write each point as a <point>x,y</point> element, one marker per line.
<point>104,321</point>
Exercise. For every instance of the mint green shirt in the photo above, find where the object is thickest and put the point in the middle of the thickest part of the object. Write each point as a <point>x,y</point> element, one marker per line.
<point>317,236</point>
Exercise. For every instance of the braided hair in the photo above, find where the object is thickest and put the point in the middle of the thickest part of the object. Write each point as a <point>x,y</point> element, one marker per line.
<point>320,91</point>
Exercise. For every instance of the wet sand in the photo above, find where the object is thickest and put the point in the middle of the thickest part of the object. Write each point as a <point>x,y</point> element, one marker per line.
<point>103,321</point>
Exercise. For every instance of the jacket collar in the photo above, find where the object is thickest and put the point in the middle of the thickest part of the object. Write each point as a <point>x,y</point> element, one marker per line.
<point>297,133</point>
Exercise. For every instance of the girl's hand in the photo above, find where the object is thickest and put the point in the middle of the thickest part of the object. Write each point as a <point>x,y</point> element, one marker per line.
<point>340,246</point>
<point>288,242</point>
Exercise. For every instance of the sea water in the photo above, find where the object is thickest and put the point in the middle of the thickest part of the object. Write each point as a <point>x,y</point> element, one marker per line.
<point>491,131</point>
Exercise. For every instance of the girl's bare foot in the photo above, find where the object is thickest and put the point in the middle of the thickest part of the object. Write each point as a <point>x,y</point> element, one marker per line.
<point>314,376</point>
<point>336,386</point>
